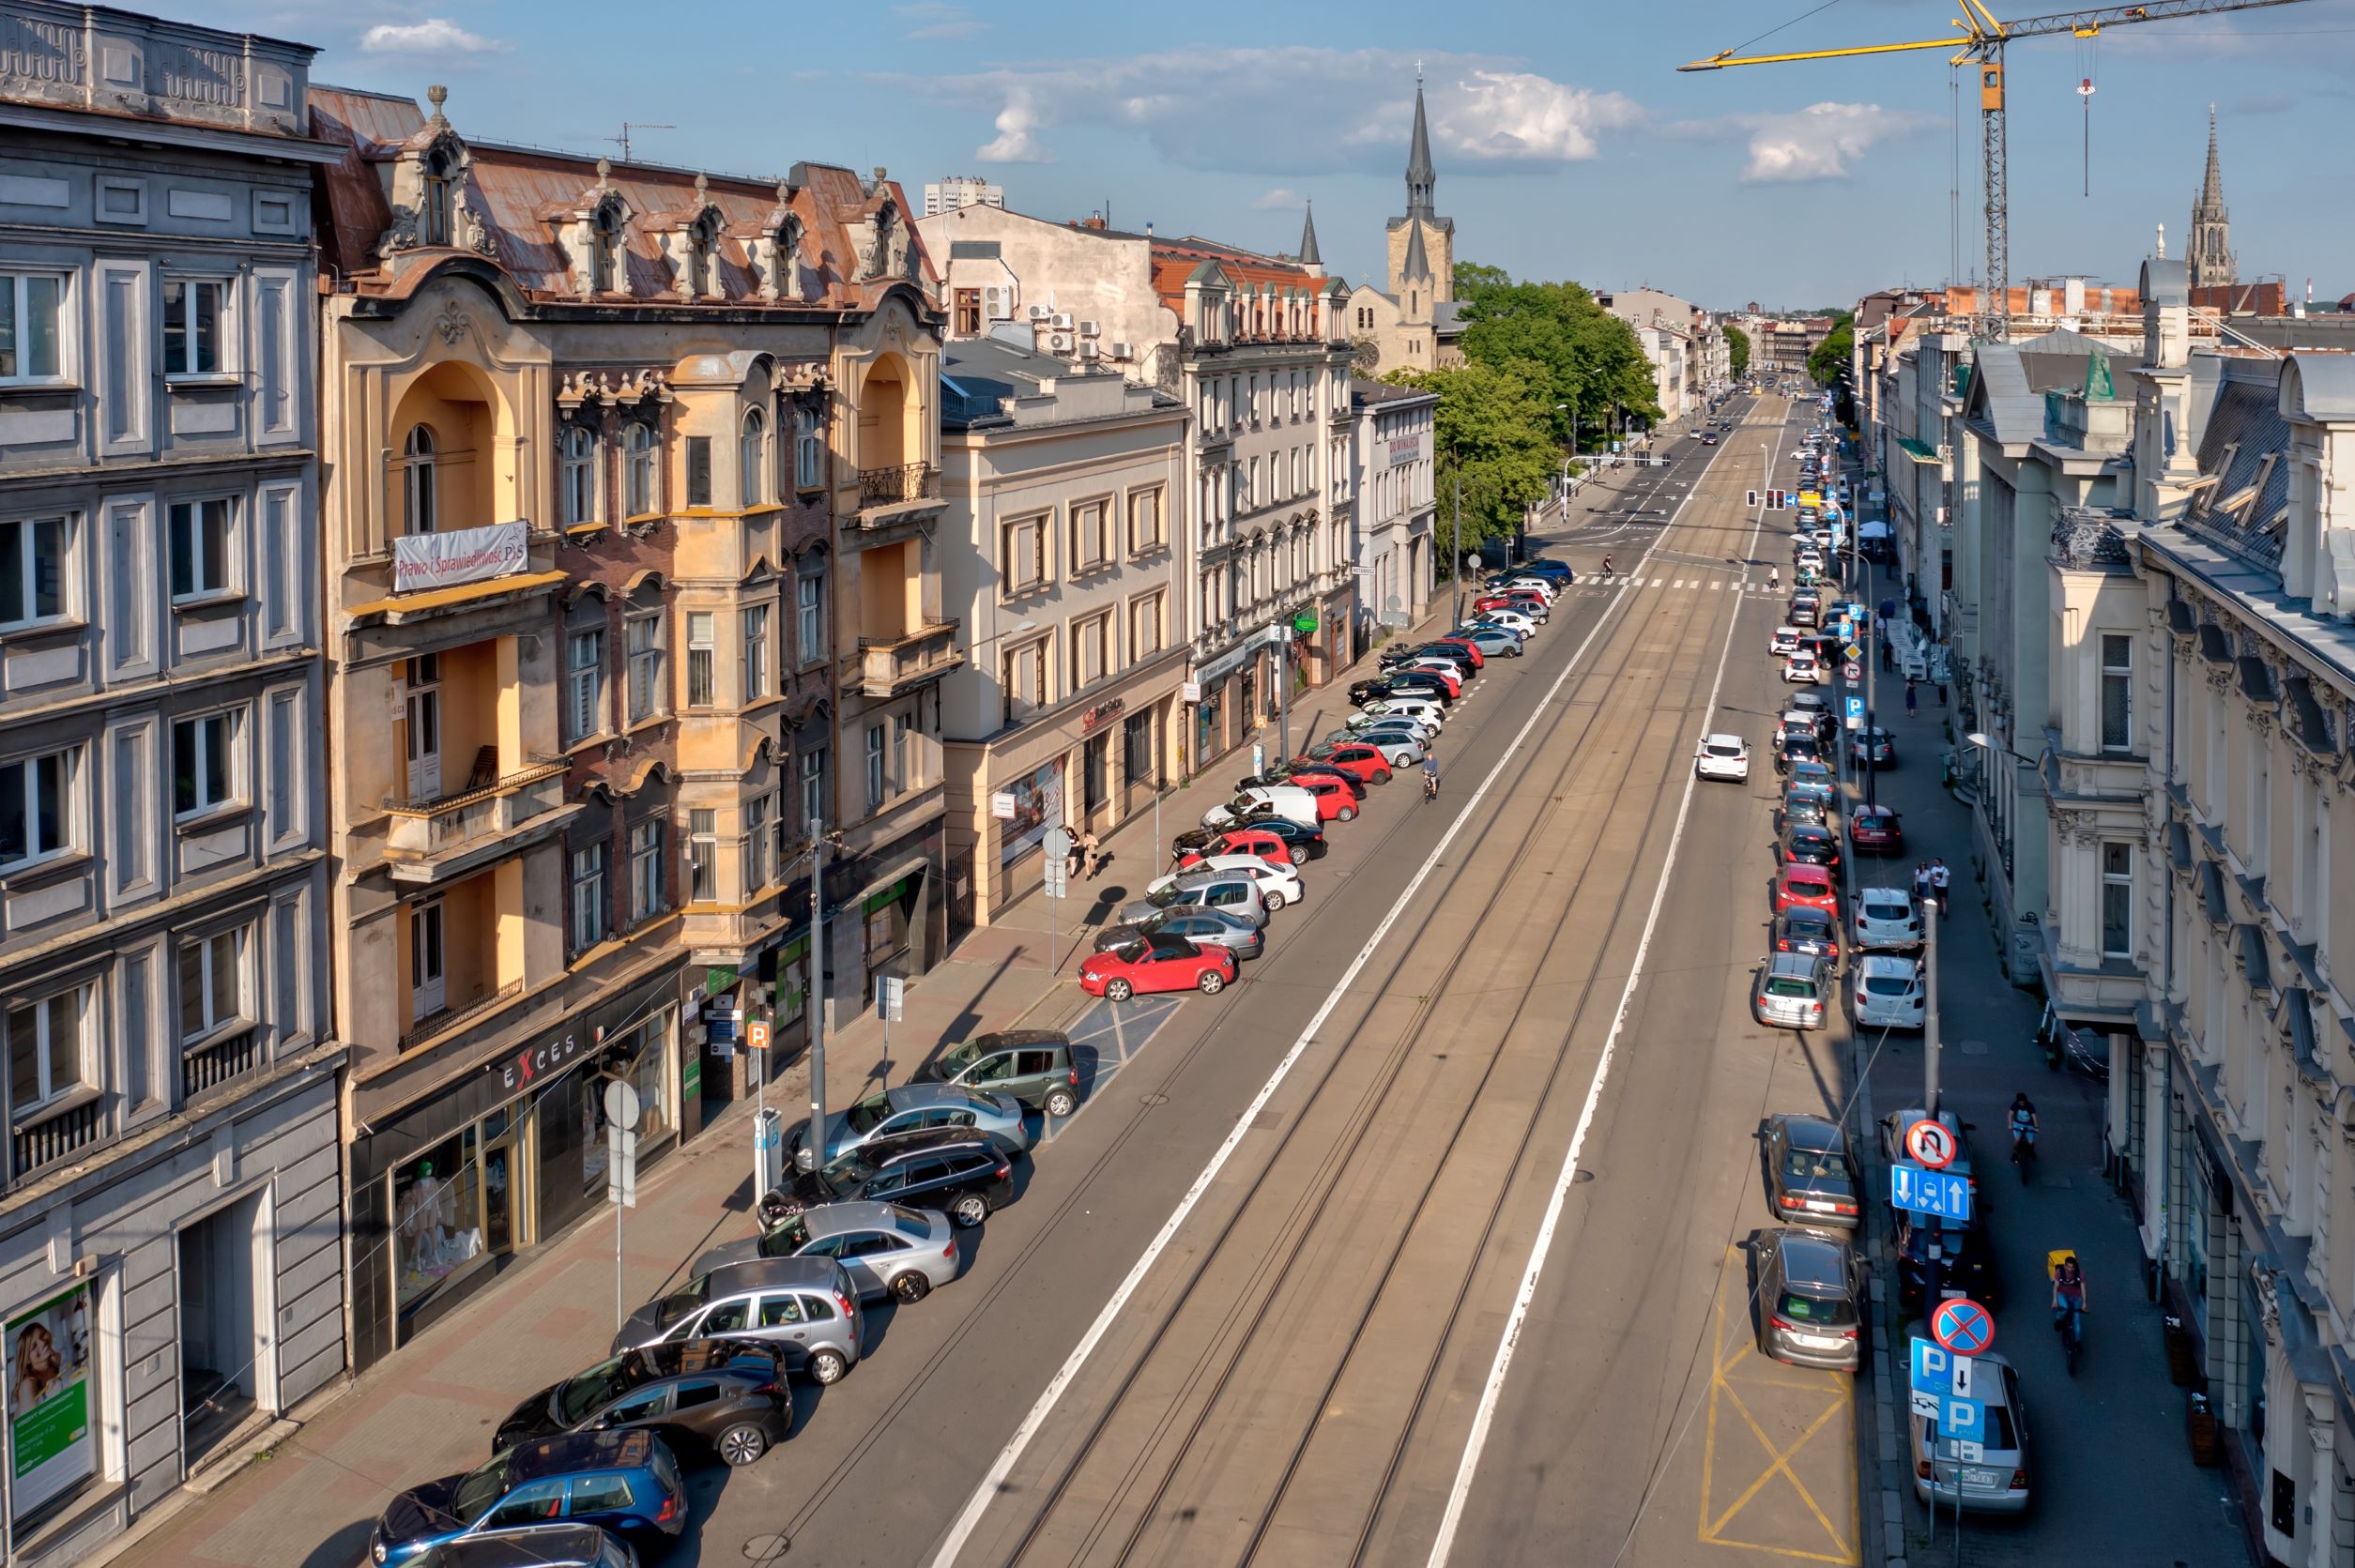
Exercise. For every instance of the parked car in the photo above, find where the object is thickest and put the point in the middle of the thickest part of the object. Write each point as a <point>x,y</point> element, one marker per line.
<point>1458,649</point>
<point>962,1172</point>
<point>1364,692</point>
<point>1032,1065</point>
<point>1512,616</point>
<point>1995,1481</point>
<point>1964,1265</point>
<point>1804,771</point>
<point>1811,1171</point>
<point>1887,921</point>
<point>1204,927</point>
<point>1791,991</point>
<point>1810,1299</point>
<point>1802,667</point>
<point>547,1545</point>
<point>1495,643</point>
<point>1796,747</point>
<point>1803,804</point>
<point>1264,800</point>
<point>1889,992</point>
<point>1489,603</point>
<point>1721,757</point>
<point>910,1108</point>
<point>1805,885</point>
<point>1354,757</point>
<point>888,1249</point>
<point>1419,710</point>
<point>1421,683</point>
<point>1782,640</point>
<point>1239,841</point>
<point>1806,610</point>
<point>1436,667</point>
<point>1157,964</point>
<point>722,1396</point>
<point>1875,830</point>
<point>1336,796</point>
<point>1401,745</point>
<point>1804,845</point>
<point>625,1483</point>
<point>1875,745</point>
<point>1306,775</point>
<point>1279,882</point>
<point>1807,931</point>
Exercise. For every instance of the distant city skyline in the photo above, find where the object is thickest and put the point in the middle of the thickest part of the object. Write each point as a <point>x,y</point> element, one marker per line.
<point>1582,154</point>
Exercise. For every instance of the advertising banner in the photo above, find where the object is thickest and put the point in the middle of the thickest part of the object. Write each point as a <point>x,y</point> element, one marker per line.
<point>423,561</point>
<point>1038,805</point>
<point>52,1440</point>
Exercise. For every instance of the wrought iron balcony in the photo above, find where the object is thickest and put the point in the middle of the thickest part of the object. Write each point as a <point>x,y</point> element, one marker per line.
<point>898,485</point>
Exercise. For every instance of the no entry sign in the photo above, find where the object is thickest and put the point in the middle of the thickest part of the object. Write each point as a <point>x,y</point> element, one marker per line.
<point>1963,1326</point>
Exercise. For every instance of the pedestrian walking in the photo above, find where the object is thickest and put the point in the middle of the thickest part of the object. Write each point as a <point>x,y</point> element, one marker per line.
<point>1940,880</point>
<point>1912,702</point>
<point>1922,882</point>
<point>1888,661</point>
<point>1089,863</point>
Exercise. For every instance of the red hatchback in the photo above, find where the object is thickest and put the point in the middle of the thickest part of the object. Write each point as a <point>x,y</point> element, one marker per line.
<point>1480,660</point>
<point>1806,886</point>
<point>1245,841</point>
<point>1362,763</point>
<point>1157,962</point>
<point>1874,831</point>
<point>1337,799</point>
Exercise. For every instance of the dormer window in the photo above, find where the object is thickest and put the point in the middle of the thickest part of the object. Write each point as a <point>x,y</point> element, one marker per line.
<point>604,248</point>
<point>433,220</point>
<point>699,257</point>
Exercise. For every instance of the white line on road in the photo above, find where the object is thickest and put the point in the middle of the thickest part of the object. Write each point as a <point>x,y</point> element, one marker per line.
<point>968,1519</point>
<point>1492,1392</point>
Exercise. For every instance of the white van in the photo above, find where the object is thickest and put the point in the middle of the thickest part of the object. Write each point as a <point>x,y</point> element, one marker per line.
<point>1287,800</point>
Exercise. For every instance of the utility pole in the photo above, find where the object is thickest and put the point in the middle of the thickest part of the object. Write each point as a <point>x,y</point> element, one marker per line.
<point>816,1141</point>
<point>1929,1011</point>
<point>1455,567</point>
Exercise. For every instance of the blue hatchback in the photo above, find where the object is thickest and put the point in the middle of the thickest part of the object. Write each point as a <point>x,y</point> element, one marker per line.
<point>625,1481</point>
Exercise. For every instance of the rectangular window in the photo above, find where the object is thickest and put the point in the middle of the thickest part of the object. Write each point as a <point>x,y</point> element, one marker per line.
<point>2118,692</point>
<point>1140,759</point>
<point>645,635</point>
<point>702,647</point>
<point>1144,522</point>
<point>37,813</point>
<point>1088,547</point>
<point>809,451</point>
<point>32,327</point>
<point>813,788</point>
<point>1022,555</point>
<point>703,845</point>
<point>904,754</point>
<point>200,548</point>
<point>646,870</point>
<point>212,984</point>
<point>589,897</point>
<point>1096,771</point>
<point>2117,901</point>
<point>1144,627</point>
<point>877,786</point>
<point>1025,680</point>
<point>584,684</point>
<point>203,763</point>
<point>33,577</point>
<point>195,311</point>
<point>810,616</point>
<point>969,313</point>
<point>698,470</point>
<point>755,624</point>
<point>759,845</point>
<point>46,1059</point>
<point>1089,651</point>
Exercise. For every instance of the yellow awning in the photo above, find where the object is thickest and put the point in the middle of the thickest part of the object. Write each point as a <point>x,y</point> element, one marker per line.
<point>401,606</point>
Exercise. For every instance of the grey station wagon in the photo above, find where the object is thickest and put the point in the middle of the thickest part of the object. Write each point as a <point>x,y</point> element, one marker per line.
<point>1032,1065</point>
<point>805,1306</point>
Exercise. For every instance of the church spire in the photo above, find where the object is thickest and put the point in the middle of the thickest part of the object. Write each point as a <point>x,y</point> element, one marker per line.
<point>2212,191</point>
<point>1308,256</point>
<point>1420,175</point>
<point>2208,246</point>
<point>1417,263</point>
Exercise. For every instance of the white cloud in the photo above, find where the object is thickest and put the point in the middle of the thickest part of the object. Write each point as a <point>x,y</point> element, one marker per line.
<point>937,19</point>
<point>1280,197</point>
<point>1014,143</point>
<point>436,34</point>
<point>1291,111</point>
<point>1822,141</point>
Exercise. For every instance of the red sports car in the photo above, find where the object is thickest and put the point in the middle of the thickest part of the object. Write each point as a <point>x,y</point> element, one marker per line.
<point>1874,831</point>
<point>1245,841</point>
<point>1157,963</point>
<point>1806,886</point>
<point>1363,763</point>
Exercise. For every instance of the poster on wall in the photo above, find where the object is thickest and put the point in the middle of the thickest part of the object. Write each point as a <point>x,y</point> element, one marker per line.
<point>1038,805</point>
<point>52,1440</point>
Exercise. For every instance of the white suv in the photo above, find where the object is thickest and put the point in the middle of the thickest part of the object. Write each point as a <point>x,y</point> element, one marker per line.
<point>1280,885</point>
<point>1886,919</point>
<point>1721,757</point>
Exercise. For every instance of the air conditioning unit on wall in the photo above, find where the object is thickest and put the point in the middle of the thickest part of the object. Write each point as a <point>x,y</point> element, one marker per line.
<point>1087,350</point>
<point>1040,313</point>
<point>1063,321</point>
<point>997,302</point>
<point>1123,351</point>
<point>1059,343</point>
<point>1089,330</point>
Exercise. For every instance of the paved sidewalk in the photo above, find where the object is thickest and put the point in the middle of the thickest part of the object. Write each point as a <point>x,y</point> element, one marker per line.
<point>2112,1475</point>
<point>427,1409</point>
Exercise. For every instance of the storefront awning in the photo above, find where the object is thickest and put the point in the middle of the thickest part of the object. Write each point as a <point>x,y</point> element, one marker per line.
<point>1920,451</point>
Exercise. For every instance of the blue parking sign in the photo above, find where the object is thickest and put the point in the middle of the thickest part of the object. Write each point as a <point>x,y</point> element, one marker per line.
<point>1963,1420</point>
<point>1856,708</point>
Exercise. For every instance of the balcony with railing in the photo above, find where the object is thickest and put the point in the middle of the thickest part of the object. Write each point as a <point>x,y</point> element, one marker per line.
<point>207,1066</point>
<point>889,666</point>
<point>899,492</point>
<point>429,840</point>
<point>43,1139</point>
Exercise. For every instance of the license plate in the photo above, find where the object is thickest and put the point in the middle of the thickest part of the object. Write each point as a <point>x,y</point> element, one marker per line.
<point>1974,1476</point>
<point>1818,1342</point>
<point>1819,1206</point>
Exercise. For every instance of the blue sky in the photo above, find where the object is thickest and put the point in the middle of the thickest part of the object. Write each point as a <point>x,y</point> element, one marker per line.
<point>1566,147</point>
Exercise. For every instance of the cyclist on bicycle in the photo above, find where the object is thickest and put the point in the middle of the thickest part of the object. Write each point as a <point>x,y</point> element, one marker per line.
<point>1607,566</point>
<point>2023,1125</point>
<point>1430,778</point>
<point>2068,1299</point>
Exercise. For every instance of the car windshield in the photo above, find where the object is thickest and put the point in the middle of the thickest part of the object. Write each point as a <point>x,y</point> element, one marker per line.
<point>593,1389</point>
<point>1887,985</point>
<point>1813,1311</point>
<point>476,1492</point>
<point>847,1173</point>
<point>1165,896</point>
<point>787,1239</point>
<point>863,1117</point>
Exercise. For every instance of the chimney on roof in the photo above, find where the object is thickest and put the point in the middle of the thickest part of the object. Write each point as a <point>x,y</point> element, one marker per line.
<point>1093,221</point>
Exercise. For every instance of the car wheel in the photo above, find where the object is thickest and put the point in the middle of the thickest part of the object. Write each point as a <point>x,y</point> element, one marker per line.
<point>1118,990</point>
<point>742,1443</point>
<point>910,1288</point>
<point>1211,982</point>
<point>1297,855</point>
<point>826,1367</point>
<point>1383,777</point>
<point>969,1211</point>
<point>1349,813</point>
<point>1061,1101</point>
<point>1403,759</point>
<point>1274,898</point>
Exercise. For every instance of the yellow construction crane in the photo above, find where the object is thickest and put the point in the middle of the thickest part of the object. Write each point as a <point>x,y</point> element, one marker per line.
<point>1981,45</point>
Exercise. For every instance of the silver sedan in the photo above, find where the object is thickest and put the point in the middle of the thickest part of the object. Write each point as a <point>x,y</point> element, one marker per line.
<point>889,1251</point>
<point>909,1108</point>
<point>1399,746</point>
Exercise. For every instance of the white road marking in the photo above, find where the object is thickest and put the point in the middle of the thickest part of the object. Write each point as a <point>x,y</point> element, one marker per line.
<point>1492,1392</point>
<point>968,1519</point>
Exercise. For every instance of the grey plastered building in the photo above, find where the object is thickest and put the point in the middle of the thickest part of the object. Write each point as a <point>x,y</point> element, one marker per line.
<point>171,1218</point>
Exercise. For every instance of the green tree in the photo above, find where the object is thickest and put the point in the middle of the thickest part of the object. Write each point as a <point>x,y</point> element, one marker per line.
<point>1738,351</point>
<point>1576,359</point>
<point>1492,434</point>
<point>1830,359</point>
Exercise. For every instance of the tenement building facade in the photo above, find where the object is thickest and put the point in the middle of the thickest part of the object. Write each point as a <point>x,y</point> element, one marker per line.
<point>171,1258</point>
<point>632,618</point>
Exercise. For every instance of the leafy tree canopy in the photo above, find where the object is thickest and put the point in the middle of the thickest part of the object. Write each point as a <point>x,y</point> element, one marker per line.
<point>1738,351</point>
<point>1490,433</point>
<point>1557,341</point>
<point>1831,356</point>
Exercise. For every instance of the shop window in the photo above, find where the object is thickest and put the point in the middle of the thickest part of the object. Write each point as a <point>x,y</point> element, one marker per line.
<point>642,1057</point>
<point>1140,759</point>
<point>438,1218</point>
<point>1096,771</point>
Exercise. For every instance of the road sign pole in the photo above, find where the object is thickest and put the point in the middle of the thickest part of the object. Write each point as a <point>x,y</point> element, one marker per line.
<point>816,1143</point>
<point>1930,1015</point>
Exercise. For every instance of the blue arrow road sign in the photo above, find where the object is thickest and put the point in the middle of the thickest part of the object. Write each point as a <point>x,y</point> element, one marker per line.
<point>1965,1420</point>
<point>1935,1193</point>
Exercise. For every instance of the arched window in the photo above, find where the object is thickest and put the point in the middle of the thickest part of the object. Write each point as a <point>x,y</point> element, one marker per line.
<point>638,451</point>
<point>752,458</point>
<point>809,449</point>
<point>578,493</point>
<point>416,481</point>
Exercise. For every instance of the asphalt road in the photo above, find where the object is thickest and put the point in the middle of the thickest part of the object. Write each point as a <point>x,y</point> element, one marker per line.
<point>1236,1318</point>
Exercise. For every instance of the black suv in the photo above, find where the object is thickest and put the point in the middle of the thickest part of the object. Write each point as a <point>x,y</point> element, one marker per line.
<point>722,1395</point>
<point>1962,1263</point>
<point>961,1171</point>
